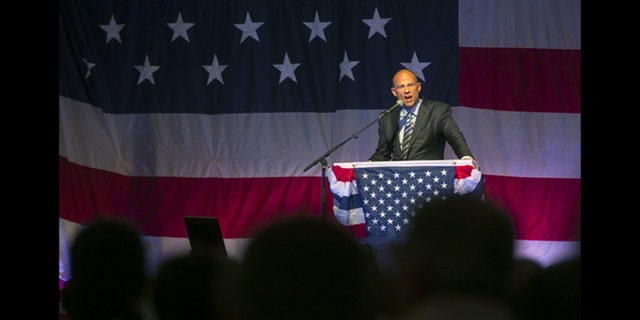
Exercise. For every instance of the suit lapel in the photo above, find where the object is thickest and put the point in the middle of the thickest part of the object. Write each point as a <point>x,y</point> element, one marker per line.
<point>420,123</point>
<point>423,115</point>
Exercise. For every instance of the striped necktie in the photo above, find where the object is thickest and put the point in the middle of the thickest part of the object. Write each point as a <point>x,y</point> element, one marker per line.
<point>408,132</point>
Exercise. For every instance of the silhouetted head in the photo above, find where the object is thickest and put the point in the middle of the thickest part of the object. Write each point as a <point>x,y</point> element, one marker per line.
<point>107,268</point>
<point>195,287</point>
<point>461,245</point>
<point>305,268</point>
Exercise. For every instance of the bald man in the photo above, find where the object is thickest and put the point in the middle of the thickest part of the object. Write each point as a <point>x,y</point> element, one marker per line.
<point>433,126</point>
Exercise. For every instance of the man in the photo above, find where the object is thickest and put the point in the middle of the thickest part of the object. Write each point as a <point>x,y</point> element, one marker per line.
<point>432,126</point>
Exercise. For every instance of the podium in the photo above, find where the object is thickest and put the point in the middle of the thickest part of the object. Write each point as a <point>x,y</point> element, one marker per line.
<point>381,196</point>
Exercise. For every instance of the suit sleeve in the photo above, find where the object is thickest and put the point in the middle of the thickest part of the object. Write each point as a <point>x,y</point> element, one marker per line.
<point>385,146</point>
<point>454,135</point>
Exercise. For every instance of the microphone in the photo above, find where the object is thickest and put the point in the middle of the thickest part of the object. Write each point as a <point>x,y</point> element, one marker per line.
<point>393,107</point>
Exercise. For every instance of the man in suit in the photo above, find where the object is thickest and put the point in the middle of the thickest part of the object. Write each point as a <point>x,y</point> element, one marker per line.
<point>433,126</point>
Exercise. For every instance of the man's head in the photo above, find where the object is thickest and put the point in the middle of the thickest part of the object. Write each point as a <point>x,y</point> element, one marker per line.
<point>406,86</point>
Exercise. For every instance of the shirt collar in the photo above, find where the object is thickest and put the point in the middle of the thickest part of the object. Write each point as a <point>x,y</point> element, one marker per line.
<point>414,110</point>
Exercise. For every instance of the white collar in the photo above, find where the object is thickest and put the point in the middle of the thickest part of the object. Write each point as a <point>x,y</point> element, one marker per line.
<point>414,110</point>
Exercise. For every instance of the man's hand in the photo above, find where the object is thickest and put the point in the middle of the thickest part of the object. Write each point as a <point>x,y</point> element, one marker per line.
<point>473,161</point>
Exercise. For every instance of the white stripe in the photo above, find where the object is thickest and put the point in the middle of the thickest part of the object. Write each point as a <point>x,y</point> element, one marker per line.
<point>523,144</point>
<point>349,217</point>
<point>158,249</point>
<point>551,24</point>
<point>341,188</point>
<point>411,163</point>
<point>196,145</point>
<point>547,252</point>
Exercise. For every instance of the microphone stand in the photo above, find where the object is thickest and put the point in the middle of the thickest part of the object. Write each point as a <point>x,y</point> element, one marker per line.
<point>323,160</point>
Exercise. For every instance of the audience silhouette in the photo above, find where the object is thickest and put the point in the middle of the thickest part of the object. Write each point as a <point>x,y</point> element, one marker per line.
<point>555,292</point>
<point>524,272</point>
<point>456,262</point>
<point>196,287</point>
<point>107,272</point>
<point>304,267</point>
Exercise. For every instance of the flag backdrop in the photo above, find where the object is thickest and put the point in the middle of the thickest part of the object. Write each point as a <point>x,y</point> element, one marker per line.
<point>170,108</point>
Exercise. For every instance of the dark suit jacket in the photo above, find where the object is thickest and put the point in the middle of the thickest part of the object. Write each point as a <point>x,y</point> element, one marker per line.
<point>434,128</point>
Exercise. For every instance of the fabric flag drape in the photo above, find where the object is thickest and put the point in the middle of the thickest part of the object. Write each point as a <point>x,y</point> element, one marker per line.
<point>378,199</point>
<point>214,108</point>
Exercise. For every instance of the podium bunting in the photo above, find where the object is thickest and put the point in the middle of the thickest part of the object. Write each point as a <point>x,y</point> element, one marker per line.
<point>382,196</point>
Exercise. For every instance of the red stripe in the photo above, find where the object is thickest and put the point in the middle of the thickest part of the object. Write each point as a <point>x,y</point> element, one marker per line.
<point>516,79</point>
<point>343,174</point>
<point>542,208</point>
<point>462,172</point>
<point>358,230</point>
<point>158,204</point>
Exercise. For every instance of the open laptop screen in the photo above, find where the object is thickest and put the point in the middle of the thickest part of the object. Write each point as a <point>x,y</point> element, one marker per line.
<point>205,235</point>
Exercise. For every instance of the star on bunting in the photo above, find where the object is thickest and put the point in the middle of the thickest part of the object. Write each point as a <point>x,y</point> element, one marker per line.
<point>376,24</point>
<point>317,28</point>
<point>346,66</point>
<point>416,66</point>
<point>146,71</point>
<point>180,28</point>
<point>249,28</point>
<point>112,29</point>
<point>215,70</point>
<point>287,69</point>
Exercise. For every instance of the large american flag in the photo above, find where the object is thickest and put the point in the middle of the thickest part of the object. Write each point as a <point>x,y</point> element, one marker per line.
<point>170,108</point>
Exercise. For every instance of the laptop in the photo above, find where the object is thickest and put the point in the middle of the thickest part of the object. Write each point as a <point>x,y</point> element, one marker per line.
<point>205,235</point>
